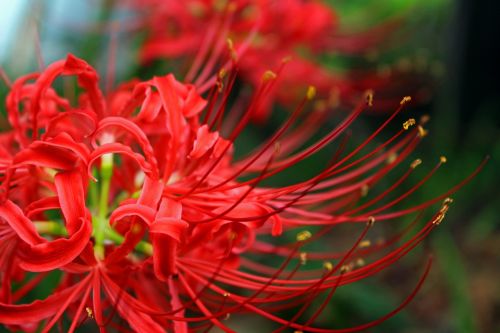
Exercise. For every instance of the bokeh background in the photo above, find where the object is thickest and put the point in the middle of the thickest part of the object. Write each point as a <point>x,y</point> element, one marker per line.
<point>451,47</point>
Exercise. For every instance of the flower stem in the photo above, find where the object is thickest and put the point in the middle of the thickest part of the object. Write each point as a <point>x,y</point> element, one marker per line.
<point>50,227</point>
<point>100,222</point>
<point>93,191</point>
<point>55,228</point>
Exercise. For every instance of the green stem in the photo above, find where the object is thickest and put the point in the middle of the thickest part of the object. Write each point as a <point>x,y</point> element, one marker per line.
<point>93,190</point>
<point>55,228</point>
<point>100,221</point>
<point>50,227</point>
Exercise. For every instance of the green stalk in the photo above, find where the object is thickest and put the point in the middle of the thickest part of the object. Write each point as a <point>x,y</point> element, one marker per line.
<point>93,191</point>
<point>55,228</point>
<point>50,227</point>
<point>101,221</point>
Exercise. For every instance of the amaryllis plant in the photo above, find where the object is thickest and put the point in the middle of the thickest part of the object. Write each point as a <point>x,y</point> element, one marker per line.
<point>268,33</point>
<point>133,201</point>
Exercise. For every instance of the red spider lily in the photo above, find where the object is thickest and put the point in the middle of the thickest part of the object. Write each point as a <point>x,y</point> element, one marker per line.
<point>275,31</point>
<point>136,200</point>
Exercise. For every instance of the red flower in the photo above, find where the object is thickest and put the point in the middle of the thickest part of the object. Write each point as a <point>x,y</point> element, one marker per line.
<point>270,34</point>
<point>137,200</point>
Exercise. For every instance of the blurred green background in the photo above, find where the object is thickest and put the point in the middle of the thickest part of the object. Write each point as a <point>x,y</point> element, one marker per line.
<point>455,44</point>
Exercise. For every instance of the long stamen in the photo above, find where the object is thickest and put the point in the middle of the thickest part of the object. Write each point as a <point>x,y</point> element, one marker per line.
<point>79,311</point>
<point>71,298</point>
<point>239,128</point>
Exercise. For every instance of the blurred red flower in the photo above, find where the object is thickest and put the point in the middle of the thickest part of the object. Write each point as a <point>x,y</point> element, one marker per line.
<point>270,34</point>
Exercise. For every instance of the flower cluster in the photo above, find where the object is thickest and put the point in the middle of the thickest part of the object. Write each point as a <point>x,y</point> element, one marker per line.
<point>136,200</point>
<point>133,207</point>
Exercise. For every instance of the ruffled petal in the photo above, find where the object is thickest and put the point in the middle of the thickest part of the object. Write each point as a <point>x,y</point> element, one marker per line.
<point>77,124</point>
<point>60,152</point>
<point>38,254</point>
<point>147,214</point>
<point>166,233</point>
<point>23,227</point>
<point>135,131</point>
<point>71,196</point>
<point>118,148</point>
<point>150,197</point>
<point>57,253</point>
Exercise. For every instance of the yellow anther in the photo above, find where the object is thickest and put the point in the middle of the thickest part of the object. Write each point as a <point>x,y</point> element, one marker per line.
<point>424,119</point>
<point>90,313</point>
<point>268,75</point>
<point>226,294</point>
<point>222,73</point>
<point>443,159</point>
<point>391,158</point>
<point>232,235</point>
<point>230,46</point>
<point>311,92</point>
<point>277,147</point>
<point>369,97</point>
<point>422,131</point>
<point>409,123</point>
<point>230,43</point>
<point>328,266</point>
<point>405,100</point>
<point>442,212</point>
<point>364,190</point>
<point>416,163</point>
<point>365,243</point>
<point>220,85</point>
<point>344,269</point>
<point>439,218</point>
<point>371,221</point>
<point>303,235</point>
<point>303,258</point>
<point>448,201</point>
<point>360,262</point>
